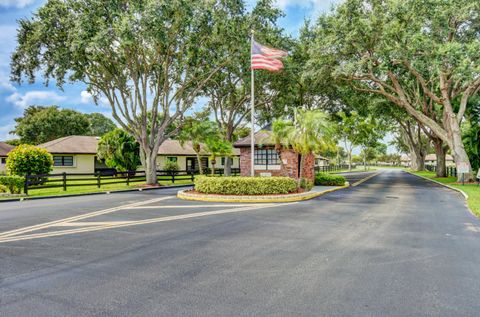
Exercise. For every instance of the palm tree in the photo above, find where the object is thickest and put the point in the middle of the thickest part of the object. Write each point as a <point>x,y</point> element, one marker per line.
<point>309,134</point>
<point>218,147</point>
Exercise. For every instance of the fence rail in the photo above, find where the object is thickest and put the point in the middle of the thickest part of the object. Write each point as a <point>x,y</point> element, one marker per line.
<point>451,170</point>
<point>331,168</point>
<point>99,179</point>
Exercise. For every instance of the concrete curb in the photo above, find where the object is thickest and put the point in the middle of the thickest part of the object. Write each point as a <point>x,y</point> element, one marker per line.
<point>94,193</point>
<point>256,199</point>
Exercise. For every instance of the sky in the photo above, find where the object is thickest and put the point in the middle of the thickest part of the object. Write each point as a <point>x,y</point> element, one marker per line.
<point>15,98</point>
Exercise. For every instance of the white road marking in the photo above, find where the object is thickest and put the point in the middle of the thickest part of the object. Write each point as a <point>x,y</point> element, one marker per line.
<point>191,206</point>
<point>134,223</point>
<point>79,217</point>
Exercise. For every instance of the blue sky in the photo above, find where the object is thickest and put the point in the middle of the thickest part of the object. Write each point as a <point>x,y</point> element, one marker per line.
<point>14,98</point>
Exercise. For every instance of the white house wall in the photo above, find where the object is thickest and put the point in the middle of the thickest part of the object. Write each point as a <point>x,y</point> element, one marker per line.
<point>82,163</point>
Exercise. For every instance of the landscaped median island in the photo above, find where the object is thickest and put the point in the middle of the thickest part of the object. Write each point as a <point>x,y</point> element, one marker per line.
<point>471,189</point>
<point>254,189</point>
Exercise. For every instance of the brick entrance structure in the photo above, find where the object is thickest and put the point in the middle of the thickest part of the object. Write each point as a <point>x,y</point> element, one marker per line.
<point>269,162</point>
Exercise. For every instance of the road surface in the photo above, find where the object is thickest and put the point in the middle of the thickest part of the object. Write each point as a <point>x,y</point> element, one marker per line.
<point>395,245</point>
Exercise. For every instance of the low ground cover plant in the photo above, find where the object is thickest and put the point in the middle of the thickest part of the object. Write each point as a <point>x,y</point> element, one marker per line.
<point>245,185</point>
<point>325,179</point>
<point>13,183</point>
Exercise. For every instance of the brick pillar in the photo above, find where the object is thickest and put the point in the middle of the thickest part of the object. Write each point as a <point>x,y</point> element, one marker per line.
<point>245,159</point>
<point>309,167</point>
<point>289,163</point>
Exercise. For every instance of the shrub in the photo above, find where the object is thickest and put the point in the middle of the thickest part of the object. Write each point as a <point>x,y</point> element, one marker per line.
<point>326,179</point>
<point>245,185</point>
<point>3,189</point>
<point>13,183</point>
<point>29,159</point>
<point>306,184</point>
<point>170,166</point>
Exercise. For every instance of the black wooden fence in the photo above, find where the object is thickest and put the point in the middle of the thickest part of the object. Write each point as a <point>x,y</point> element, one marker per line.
<point>331,168</point>
<point>99,179</point>
<point>451,170</point>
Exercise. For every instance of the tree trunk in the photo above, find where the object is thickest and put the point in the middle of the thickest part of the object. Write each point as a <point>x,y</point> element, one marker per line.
<point>458,150</point>
<point>199,162</point>
<point>151,168</point>
<point>350,160</point>
<point>227,168</point>
<point>440,152</point>
<point>302,163</point>
<point>417,159</point>
<point>213,166</point>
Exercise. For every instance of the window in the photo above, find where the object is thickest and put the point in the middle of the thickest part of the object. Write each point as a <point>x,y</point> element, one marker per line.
<point>4,160</point>
<point>63,161</point>
<point>266,157</point>
<point>172,158</point>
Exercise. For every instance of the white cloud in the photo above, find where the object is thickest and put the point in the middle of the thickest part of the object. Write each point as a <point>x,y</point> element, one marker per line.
<point>5,131</point>
<point>87,98</point>
<point>34,97</point>
<point>16,3</point>
<point>5,82</point>
<point>313,4</point>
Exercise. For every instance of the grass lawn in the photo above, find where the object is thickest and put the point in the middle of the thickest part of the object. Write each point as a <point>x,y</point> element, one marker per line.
<point>472,190</point>
<point>90,187</point>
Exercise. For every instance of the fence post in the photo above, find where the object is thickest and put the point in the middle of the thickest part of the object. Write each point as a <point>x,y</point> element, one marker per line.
<point>98,179</point>
<point>128,178</point>
<point>173,177</point>
<point>25,185</point>
<point>64,181</point>
<point>192,175</point>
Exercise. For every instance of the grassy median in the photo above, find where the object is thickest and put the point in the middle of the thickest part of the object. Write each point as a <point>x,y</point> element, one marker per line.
<point>472,190</point>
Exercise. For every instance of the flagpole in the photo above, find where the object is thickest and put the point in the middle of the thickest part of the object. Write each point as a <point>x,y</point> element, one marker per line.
<point>252,112</point>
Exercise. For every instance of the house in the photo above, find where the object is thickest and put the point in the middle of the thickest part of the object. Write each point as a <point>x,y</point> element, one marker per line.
<point>5,148</point>
<point>431,159</point>
<point>270,162</point>
<point>74,154</point>
<point>78,154</point>
<point>186,157</point>
<point>321,161</point>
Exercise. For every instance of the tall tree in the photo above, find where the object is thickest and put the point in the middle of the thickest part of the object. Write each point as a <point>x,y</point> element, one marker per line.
<point>391,47</point>
<point>99,124</point>
<point>42,124</point>
<point>146,57</point>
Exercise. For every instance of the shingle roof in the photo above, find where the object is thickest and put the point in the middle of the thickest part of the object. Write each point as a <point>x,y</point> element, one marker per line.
<point>77,144</point>
<point>73,144</point>
<point>433,157</point>
<point>5,148</point>
<point>262,137</point>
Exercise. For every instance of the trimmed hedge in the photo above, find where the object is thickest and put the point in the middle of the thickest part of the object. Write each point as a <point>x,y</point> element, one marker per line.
<point>245,185</point>
<point>326,179</point>
<point>13,183</point>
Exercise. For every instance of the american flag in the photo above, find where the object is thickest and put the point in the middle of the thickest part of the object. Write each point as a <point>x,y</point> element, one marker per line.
<point>264,57</point>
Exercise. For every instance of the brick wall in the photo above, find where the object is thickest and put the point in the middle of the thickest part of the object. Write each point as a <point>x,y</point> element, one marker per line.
<point>309,167</point>
<point>289,164</point>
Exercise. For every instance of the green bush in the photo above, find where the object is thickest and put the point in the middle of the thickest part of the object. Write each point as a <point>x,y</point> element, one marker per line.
<point>306,184</point>
<point>170,166</point>
<point>13,183</point>
<point>3,189</point>
<point>326,179</point>
<point>245,185</point>
<point>29,159</point>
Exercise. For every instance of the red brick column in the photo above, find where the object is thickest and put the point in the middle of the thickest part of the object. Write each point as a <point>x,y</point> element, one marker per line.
<point>309,167</point>
<point>245,159</point>
<point>289,163</point>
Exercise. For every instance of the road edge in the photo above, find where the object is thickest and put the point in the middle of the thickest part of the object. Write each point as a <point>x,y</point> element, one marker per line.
<point>363,180</point>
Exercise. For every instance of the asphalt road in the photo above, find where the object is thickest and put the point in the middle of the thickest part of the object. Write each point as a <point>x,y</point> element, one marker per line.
<point>395,245</point>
